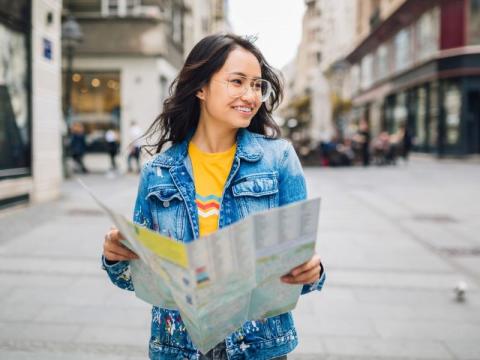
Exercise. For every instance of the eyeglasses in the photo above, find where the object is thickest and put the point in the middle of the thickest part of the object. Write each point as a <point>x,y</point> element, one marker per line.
<point>237,86</point>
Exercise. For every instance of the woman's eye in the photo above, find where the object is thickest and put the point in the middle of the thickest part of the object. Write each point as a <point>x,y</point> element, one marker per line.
<point>236,81</point>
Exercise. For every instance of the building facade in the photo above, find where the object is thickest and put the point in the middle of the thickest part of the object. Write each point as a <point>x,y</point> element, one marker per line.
<point>328,32</point>
<point>131,52</point>
<point>420,66</point>
<point>204,17</point>
<point>30,106</point>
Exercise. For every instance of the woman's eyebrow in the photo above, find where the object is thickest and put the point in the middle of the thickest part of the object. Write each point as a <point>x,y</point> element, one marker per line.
<point>244,75</point>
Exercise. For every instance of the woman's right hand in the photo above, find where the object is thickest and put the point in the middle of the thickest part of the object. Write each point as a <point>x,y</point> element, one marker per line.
<point>114,250</point>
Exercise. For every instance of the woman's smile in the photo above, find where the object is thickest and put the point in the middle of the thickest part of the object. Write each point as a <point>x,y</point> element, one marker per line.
<point>244,110</point>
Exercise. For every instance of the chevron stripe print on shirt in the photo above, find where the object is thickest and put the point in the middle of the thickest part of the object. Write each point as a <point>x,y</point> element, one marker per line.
<point>207,205</point>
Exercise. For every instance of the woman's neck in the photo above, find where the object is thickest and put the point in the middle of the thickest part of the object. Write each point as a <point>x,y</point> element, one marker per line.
<point>213,139</point>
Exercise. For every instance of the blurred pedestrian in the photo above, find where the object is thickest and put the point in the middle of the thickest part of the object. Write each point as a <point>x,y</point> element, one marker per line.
<point>406,142</point>
<point>111,137</point>
<point>224,143</point>
<point>362,141</point>
<point>78,146</point>
<point>134,148</point>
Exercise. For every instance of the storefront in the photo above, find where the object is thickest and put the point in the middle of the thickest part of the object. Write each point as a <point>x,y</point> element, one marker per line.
<point>30,101</point>
<point>15,90</point>
<point>425,75</point>
<point>95,103</point>
<point>445,126</point>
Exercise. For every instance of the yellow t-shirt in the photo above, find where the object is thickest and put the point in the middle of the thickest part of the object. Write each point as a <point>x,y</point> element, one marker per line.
<point>210,172</point>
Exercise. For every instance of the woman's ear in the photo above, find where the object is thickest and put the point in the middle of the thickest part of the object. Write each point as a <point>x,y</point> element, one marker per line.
<point>200,94</point>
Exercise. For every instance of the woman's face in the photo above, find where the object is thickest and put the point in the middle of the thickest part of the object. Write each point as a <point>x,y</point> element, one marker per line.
<point>219,104</point>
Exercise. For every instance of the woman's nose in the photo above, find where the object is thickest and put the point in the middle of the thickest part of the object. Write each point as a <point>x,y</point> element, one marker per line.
<point>250,95</point>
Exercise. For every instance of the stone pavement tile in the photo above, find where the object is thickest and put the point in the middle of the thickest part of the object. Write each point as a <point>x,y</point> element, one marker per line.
<point>15,280</point>
<point>330,310</point>
<point>31,331</point>
<point>434,234</point>
<point>471,263</point>
<point>463,349</point>
<point>410,297</point>
<point>456,311</point>
<point>114,335</point>
<point>52,349</point>
<point>94,315</point>
<point>371,348</point>
<point>340,327</point>
<point>43,355</point>
<point>309,344</point>
<point>466,229</point>
<point>50,265</point>
<point>427,330</point>
<point>396,279</point>
<point>17,312</point>
<point>54,296</point>
<point>369,251</point>
<point>374,200</point>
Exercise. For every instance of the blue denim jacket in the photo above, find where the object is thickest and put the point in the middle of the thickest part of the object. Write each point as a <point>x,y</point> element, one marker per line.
<point>265,173</point>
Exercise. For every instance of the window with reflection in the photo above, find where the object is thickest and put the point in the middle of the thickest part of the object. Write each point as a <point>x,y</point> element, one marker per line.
<point>421,117</point>
<point>96,104</point>
<point>403,53</point>
<point>433,121</point>
<point>427,31</point>
<point>474,23</point>
<point>453,105</point>
<point>400,112</point>
<point>381,70</point>
<point>15,128</point>
<point>366,71</point>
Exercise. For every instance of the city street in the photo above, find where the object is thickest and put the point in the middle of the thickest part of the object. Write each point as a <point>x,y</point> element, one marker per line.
<point>395,241</point>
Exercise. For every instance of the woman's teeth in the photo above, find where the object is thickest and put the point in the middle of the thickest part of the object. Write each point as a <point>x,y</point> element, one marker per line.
<point>243,109</point>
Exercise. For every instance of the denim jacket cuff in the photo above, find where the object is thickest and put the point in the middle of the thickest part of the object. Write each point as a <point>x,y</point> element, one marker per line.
<point>317,285</point>
<point>113,267</point>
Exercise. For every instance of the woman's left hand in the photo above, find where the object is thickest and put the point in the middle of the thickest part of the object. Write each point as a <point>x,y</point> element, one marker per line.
<point>306,273</point>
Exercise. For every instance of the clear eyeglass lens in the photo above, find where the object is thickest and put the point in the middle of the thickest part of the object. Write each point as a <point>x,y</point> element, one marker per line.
<point>238,86</point>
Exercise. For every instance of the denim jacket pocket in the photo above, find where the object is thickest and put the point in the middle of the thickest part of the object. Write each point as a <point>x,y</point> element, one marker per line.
<point>168,210</point>
<point>256,193</point>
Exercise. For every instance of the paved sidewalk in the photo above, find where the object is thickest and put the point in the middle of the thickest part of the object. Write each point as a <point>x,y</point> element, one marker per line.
<point>395,242</point>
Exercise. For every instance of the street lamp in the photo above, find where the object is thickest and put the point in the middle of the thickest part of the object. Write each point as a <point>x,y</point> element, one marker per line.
<point>71,36</point>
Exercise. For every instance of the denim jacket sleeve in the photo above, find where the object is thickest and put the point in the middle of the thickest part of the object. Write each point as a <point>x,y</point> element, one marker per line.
<point>119,271</point>
<point>292,187</point>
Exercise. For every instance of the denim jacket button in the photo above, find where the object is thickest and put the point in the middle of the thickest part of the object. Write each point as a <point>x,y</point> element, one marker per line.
<point>166,203</point>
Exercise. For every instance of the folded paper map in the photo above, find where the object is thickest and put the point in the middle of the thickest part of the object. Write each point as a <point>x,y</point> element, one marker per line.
<point>220,281</point>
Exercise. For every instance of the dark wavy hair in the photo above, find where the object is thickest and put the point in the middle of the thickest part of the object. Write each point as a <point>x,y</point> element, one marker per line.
<point>181,110</point>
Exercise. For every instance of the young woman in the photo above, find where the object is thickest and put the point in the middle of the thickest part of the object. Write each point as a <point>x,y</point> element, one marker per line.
<point>225,162</point>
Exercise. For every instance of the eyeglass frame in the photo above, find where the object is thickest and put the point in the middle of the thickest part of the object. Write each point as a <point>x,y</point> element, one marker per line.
<point>262,99</point>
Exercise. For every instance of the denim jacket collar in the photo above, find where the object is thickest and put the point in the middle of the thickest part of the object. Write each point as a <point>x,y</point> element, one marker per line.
<point>248,149</point>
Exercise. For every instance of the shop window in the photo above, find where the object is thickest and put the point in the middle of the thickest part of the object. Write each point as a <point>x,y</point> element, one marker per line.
<point>433,121</point>
<point>427,31</point>
<point>15,137</point>
<point>474,23</point>
<point>400,113</point>
<point>403,53</point>
<point>355,78</point>
<point>421,117</point>
<point>381,68</point>
<point>366,71</point>
<point>96,104</point>
<point>452,106</point>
